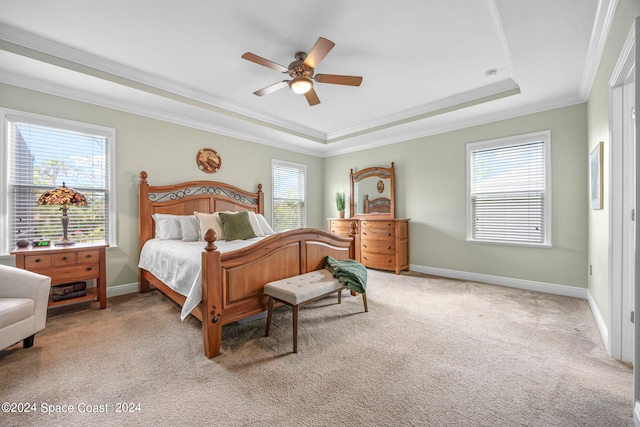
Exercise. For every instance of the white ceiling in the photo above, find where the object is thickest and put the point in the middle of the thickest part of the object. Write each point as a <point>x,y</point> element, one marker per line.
<point>423,62</point>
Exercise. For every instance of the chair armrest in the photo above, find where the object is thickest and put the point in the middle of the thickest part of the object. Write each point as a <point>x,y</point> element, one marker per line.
<point>18,283</point>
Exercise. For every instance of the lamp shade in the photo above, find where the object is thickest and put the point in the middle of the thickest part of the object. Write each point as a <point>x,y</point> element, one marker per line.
<point>63,196</point>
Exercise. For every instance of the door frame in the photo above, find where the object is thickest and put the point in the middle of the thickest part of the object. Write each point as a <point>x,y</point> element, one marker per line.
<point>622,73</point>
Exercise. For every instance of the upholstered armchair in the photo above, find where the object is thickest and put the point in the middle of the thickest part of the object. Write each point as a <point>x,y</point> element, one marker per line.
<point>24,296</point>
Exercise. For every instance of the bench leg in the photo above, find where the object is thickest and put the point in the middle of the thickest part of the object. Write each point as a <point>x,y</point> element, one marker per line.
<point>269,313</point>
<point>340,296</point>
<point>364,300</point>
<point>295,328</point>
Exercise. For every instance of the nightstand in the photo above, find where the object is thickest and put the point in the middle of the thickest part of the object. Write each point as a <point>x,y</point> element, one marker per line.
<point>67,265</point>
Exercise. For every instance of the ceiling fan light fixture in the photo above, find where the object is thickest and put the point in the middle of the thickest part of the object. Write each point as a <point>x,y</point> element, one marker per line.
<point>301,85</point>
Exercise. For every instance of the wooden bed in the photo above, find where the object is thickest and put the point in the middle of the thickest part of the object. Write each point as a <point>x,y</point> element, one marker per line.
<point>232,283</point>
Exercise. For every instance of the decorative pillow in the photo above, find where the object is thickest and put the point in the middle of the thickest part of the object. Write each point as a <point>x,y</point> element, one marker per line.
<point>189,228</point>
<point>255,225</point>
<point>264,225</point>
<point>167,227</point>
<point>237,226</point>
<point>207,221</point>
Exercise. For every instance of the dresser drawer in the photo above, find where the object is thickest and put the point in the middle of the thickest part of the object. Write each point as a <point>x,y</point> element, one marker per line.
<point>378,247</point>
<point>37,261</point>
<point>381,230</point>
<point>375,260</point>
<point>341,228</point>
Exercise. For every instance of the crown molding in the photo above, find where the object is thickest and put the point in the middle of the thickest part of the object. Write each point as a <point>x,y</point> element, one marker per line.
<point>177,102</point>
<point>46,50</point>
<point>463,100</point>
<point>604,18</point>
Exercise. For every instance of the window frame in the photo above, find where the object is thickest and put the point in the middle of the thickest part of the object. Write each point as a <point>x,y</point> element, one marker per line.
<point>10,115</point>
<point>299,166</point>
<point>540,136</point>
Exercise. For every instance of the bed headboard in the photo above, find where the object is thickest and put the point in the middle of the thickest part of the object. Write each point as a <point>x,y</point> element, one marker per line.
<point>379,205</point>
<point>188,197</point>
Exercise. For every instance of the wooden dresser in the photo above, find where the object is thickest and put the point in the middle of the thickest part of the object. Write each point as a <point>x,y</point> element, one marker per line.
<point>381,243</point>
<point>68,264</point>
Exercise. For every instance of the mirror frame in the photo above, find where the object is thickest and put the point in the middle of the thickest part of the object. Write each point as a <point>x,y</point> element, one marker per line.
<point>379,172</point>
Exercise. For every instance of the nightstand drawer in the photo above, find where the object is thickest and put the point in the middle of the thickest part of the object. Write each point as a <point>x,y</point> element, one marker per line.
<point>37,261</point>
<point>64,259</point>
<point>73,273</point>
<point>88,256</point>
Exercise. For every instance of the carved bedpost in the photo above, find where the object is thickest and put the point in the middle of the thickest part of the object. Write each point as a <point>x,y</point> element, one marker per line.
<point>260,200</point>
<point>212,294</point>
<point>144,226</point>
<point>354,233</point>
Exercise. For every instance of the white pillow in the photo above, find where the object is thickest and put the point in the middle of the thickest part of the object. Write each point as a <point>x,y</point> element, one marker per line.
<point>264,225</point>
<point>207,221</point>
<point>167,227</point>
<point>255,224</point>
<point>190,228</point>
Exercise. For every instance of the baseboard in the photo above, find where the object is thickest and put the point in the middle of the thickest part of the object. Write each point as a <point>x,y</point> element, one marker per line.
<point>636,414</point>
<point>127,288</point>
<point>602,326</point>
<point>529,285</point>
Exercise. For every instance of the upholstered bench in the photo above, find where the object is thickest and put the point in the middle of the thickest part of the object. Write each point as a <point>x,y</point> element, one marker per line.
<point>299,290</point>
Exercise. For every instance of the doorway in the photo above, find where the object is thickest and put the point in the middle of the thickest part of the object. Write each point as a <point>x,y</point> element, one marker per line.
<point>622,272</point>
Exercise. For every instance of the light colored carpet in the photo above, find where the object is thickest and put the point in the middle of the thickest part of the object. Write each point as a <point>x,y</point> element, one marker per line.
<point>430,352</point>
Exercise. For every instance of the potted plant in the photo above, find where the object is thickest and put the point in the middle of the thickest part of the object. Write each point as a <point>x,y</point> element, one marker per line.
<point>340,203</point>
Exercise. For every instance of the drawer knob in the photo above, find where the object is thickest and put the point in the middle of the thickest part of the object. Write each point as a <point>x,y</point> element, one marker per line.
<point>364,233</point>
<point>37,259</point>
<point>388,234</point>
<point>89,268</point>
<point>388,247</point>
<point>64,258</point>
<point>88,256</point>
<point>388,260</point>
<point>364,257</point>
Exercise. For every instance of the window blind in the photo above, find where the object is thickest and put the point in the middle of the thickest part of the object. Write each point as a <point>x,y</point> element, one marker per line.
<point>508,193</point>
<point>43,157</point>
<point>288,195</point>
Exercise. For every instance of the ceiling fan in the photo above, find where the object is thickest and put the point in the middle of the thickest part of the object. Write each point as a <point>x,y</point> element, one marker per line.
<point>301,72</point>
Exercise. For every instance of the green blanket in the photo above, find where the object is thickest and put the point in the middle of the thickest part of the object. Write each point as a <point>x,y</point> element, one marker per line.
<point>348,271</point>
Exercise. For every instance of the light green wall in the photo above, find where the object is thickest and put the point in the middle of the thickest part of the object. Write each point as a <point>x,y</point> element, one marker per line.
<point>598,130</point>
<point>430,189</point>
<point>167,152</point>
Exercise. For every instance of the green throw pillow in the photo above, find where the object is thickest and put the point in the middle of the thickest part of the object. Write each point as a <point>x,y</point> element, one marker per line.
<point>236,226</point>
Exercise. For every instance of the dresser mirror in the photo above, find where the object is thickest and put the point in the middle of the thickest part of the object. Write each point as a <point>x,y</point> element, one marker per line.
<point>373,192</point>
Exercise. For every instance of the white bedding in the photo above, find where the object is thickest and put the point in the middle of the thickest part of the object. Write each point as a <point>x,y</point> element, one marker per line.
<point>179,265</point>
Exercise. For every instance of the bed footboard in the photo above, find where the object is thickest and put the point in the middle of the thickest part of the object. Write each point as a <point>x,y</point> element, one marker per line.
<point>232,283</point>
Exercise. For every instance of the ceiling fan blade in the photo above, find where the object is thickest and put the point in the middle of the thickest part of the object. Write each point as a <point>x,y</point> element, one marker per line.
<point>272,88</point>
<point>338,80</point>
<point>312,97</point>
<point>265,62</point>
<point>318,52</point>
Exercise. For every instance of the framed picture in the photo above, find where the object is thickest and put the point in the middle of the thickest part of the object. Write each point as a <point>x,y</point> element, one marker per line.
<point>595,175</point>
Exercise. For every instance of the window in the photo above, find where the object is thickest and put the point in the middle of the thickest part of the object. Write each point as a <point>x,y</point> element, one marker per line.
<point>289,195</point>
<point>41,153</point>
<point>508,190</point>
